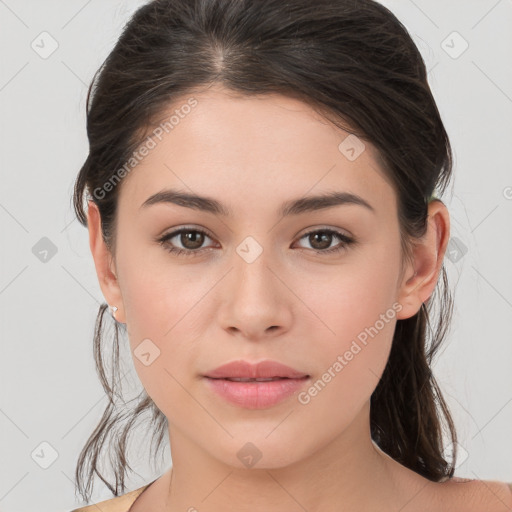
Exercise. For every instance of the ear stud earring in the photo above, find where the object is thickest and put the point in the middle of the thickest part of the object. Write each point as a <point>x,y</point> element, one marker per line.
<point>113,310</point>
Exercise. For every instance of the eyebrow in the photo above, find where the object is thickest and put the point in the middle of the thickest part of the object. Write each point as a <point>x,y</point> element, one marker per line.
<point>293,207</point>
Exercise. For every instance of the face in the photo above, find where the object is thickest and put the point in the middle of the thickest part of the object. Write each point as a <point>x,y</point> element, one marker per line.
<point>316,289</point>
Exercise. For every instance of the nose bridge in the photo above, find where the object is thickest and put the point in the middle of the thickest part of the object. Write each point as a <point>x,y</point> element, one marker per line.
<point>254,300</point>
<point>250,250</point>
<point>252,264</point>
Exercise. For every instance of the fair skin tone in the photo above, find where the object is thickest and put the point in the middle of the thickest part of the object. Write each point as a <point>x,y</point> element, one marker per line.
<point>290,304</point>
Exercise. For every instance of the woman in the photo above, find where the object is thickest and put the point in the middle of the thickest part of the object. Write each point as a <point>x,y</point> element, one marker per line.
<point>262,213</point>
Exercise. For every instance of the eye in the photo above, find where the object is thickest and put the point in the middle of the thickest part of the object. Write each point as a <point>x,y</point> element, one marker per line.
<point>321,239</point>
<point>190,238</point>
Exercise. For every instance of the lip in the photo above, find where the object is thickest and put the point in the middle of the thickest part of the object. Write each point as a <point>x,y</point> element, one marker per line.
<point>261,370</point>
<point>254,394</point>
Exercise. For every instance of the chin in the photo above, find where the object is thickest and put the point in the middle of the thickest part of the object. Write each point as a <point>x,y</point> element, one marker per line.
<point>258,452</point>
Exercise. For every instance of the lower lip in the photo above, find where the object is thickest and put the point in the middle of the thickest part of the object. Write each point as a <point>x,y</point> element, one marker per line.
<point>256,395</point>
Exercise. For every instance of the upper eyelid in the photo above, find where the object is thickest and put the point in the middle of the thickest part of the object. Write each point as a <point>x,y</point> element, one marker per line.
<point>175,232</point>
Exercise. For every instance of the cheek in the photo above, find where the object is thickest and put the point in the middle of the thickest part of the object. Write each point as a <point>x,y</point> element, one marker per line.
<point>356,313</point>
<point>162,320</point>
<point>349,297</point>
<point>349,365</point>
<point>157,292</point>
<point>162,308</point>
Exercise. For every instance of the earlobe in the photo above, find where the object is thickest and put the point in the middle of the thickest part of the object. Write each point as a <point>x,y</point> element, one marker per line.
<point>103,261</point>
<point>428,254</point>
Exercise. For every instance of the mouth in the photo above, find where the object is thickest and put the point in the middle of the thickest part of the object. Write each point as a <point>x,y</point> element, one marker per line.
<point>256,393</point>
<point>263,371</point>
<point>255,385</point>
<point>249,379</point>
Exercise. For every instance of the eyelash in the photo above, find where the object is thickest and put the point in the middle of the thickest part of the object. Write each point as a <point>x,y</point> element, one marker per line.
<point>346,241</point>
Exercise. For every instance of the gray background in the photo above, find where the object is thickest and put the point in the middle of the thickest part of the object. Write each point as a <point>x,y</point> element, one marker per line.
<point>50,393</point>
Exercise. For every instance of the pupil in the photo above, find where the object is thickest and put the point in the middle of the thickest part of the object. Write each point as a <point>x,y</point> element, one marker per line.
<point>325,236</point>
<point>192,236</point>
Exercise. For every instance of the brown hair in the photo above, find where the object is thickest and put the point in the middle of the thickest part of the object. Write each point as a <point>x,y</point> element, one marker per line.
<point>357,65</point>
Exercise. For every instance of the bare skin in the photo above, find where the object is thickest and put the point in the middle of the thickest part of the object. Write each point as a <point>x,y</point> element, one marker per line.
<point>457,494</point>
<point>289,304</point>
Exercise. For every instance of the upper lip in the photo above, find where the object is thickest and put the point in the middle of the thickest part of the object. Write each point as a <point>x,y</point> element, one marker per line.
<point>262,370</point>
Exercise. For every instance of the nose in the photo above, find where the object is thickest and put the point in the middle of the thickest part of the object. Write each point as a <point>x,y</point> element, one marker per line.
<point>256,303</point>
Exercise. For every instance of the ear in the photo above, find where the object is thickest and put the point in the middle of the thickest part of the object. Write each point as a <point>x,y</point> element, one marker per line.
<point>104,262</point>
<point>421,275</point>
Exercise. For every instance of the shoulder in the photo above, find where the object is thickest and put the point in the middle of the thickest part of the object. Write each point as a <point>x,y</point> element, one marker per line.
<point>480,495</point>
<point>117,504</point>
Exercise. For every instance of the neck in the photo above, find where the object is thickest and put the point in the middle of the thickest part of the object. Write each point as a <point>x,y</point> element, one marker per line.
<point>350,470</point>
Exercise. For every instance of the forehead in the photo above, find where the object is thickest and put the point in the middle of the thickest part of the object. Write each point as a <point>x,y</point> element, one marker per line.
<point>250,148</point>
